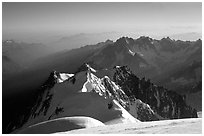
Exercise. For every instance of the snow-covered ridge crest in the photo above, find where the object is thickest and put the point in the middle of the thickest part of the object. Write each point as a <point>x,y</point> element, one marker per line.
<point>61,125</point>
<point>104,87</point>
<point>108,89</point>
<point>61,77</point>
<point>85,94</point>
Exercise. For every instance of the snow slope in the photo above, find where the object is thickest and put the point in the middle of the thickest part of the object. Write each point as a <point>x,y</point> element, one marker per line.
<point>179,126</point>
<point>61,125</point>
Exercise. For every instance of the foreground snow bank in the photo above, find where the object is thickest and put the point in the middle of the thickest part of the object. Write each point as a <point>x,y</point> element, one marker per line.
<point>61,124</point>
<point>179,126</point>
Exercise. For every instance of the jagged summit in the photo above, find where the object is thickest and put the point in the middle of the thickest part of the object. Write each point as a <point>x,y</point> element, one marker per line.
<point>124,41</point>
<point>136,46</point>
<point>167,104</point>
<point>85,94</point>
<point>108,41</point>
<point>125,44</point>
<point>61,77</point>
<point>167,39</point>
<point>128,40</point>
<point>144,40</point>
<point>85,67</point>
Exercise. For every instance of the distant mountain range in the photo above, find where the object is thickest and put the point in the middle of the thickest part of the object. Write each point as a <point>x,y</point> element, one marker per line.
<point>17,56</point>
<point>191,36</point>
<point>171,63</point>
<point>81,39</point>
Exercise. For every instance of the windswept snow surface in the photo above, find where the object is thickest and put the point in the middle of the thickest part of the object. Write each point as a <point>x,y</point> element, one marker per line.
<point>61,125</point>
<point>127,117</point>
<point>179,126</point>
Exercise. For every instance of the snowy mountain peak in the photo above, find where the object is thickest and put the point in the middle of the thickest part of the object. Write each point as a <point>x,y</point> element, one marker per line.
<point>85,67</point>
<point>104,87</point>
<point>61,77</point>
<point>85,94</point>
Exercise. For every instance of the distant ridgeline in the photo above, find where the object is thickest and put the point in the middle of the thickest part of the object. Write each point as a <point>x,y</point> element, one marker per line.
<point>167,104</point>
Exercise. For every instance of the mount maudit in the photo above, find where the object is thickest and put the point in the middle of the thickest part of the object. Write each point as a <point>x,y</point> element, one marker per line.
<point>129,80</point>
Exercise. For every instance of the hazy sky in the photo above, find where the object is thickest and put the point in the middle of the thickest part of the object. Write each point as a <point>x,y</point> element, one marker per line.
<point>53,19</point>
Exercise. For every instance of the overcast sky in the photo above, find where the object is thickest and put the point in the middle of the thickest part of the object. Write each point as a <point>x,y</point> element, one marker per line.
<point>40,19</point>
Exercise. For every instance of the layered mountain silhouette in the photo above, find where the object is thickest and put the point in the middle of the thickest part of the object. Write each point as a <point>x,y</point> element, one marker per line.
<point>17,56</point>
<point>145,56</point>
<point>161,78</point>
<point>149,57</point>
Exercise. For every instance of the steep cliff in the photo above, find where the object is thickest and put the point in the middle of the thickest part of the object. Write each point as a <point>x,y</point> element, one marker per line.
<point>166,103</point>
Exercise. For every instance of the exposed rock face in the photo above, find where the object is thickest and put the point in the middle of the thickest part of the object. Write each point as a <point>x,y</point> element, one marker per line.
<point>171,63</point>
<point>167,104</point>
<point>135,107</point>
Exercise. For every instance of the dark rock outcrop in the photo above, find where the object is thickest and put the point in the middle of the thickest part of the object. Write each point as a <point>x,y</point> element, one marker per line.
<point>167,104</point>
